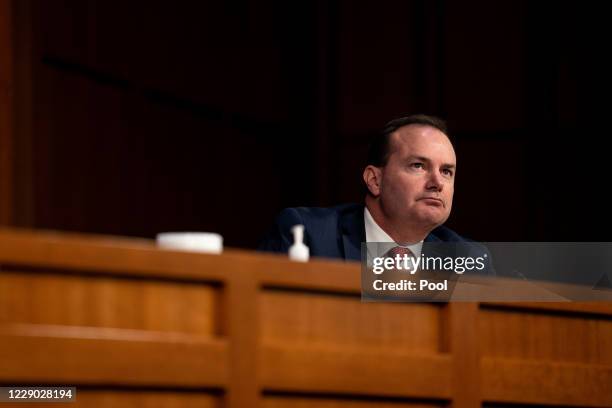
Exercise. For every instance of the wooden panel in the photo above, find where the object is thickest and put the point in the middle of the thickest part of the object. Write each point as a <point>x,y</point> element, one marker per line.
<point>241,327</point>
<point>604,308</point>
<point>461,341</point>
<point>543,336</point>
<point>323,275</point>
<point>108,302</point>
<point>134,399</point>
<point>302,402</point>
<point>355,371</point>
<point>6,111</point>
<point>299,318</point>
<point>546,383</point>
<point>23,114</point>
<point>370,93</point>
<point>61,354</point>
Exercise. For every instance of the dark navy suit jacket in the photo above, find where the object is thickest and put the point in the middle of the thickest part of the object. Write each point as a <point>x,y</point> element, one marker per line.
<point>337,232</point>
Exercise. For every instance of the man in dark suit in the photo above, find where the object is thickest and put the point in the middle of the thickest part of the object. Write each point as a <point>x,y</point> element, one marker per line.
<point>410,183</point>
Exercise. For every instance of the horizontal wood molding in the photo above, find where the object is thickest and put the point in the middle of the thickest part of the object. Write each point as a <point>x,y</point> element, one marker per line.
<point>535,382</point>
<point>355,371</point>
<point>603,308</point>
<point>110,356</point>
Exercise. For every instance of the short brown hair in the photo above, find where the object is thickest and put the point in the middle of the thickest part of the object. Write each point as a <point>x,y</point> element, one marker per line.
<point>378,153</point>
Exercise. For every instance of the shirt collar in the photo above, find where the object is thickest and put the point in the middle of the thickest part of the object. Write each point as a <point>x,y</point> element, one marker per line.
<point>374,233</point>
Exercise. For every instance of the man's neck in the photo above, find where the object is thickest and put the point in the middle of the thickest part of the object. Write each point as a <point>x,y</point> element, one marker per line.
<point>404,232</point>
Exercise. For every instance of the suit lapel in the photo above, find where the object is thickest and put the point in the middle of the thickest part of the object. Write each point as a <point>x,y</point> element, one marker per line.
<point>435,247</point>
<point>432,238</point>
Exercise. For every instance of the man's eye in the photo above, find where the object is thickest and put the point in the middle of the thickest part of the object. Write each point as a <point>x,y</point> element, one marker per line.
<point>417,165</point>
<point>447,172</point>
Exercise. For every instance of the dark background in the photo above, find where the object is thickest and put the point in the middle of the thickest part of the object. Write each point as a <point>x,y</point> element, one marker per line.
<point>139,117</point>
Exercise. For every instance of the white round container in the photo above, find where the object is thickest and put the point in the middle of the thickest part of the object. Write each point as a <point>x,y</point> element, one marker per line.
<point>207,242</point>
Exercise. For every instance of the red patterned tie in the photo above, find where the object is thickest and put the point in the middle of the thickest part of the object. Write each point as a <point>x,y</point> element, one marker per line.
<point>401,251</point>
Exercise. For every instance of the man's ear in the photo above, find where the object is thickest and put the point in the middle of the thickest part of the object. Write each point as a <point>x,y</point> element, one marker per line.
<point>372,177</point>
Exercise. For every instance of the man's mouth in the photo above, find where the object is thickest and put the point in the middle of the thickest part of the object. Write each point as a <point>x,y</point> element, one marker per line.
<point>432,200</point>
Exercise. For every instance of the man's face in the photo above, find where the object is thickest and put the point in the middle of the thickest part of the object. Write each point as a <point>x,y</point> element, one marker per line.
<point>417,183</point>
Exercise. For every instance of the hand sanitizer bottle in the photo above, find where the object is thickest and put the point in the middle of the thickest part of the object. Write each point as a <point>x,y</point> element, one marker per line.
<point>298,251</point>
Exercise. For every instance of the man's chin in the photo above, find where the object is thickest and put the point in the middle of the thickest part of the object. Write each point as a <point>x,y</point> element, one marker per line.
<point>432,220</point>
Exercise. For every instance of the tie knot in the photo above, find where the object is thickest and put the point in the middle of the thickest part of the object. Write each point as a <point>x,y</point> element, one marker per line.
<point>401,251</point>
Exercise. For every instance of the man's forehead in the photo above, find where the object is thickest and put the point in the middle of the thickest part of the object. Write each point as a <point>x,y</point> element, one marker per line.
<point>420,140</point>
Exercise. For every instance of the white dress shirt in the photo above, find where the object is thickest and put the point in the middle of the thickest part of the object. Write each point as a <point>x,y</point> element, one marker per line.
<point>376,234</point>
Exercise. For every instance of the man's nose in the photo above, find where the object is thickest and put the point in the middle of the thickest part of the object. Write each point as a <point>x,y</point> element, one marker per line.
<point>434,182</point>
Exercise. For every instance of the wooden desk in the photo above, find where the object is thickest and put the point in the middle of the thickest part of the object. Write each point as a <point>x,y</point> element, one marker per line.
<point>131,326</point>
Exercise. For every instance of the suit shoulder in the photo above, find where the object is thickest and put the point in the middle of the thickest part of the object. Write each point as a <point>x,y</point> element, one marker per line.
<point>322,229</point>
<point>446,234</point>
